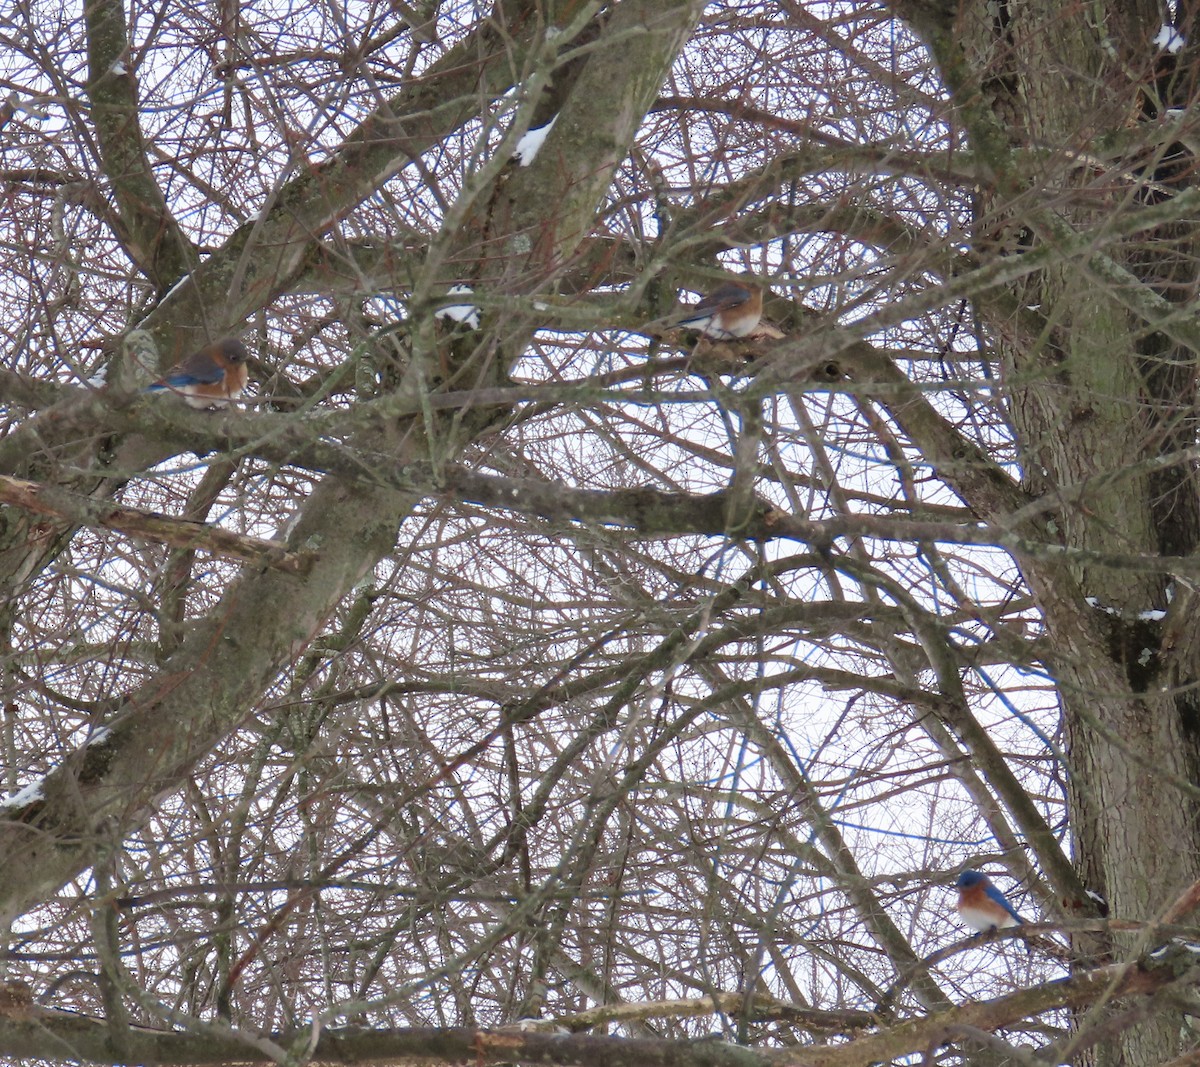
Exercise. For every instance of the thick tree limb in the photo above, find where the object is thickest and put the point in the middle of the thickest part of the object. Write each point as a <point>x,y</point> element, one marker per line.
<point>83,510</point>
<point>152,236</point>
<point>265,257</point>
<point>1013,517</point>
<point>27,1029</point>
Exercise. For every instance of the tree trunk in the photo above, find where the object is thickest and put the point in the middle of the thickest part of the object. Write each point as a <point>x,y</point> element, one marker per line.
<point>1095,399</point>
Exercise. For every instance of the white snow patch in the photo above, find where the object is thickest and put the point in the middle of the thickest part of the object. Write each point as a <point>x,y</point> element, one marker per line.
<point>28,795</point>
<point>1175,942</point>
<point>546,1026</point>
<point>529,145</point>
<point>181,281</point>
<point>1152,616</point>
<point>99,735</point>
<point>1169,39</point>
<point>118,68</point>
<point>464,313</point>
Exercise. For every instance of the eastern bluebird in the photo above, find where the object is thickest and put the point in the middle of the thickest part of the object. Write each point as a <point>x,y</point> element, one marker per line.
<point>732,309</point>
<point>981,905</point>
<point>210,377</point>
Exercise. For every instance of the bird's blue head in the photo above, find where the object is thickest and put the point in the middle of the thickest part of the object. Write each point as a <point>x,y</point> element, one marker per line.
<point>969,878</point>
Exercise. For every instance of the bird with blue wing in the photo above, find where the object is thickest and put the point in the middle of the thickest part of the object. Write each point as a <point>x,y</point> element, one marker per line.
<point>732,310</point>
<point>982,906</point>
<point>210,377</point>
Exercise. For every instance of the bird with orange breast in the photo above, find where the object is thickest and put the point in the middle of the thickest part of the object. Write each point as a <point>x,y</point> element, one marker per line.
<point>732,310</point>
<point>982,906</point>
<point>208,378</point>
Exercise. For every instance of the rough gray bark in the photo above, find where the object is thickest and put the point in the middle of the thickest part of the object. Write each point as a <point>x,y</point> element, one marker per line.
<point>608,668</point>
<point>1096,391</point>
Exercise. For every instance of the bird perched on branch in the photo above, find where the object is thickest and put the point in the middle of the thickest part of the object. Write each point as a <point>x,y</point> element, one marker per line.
<point>209,378</point>
<point>733,309</point>
<point>982,906</point>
